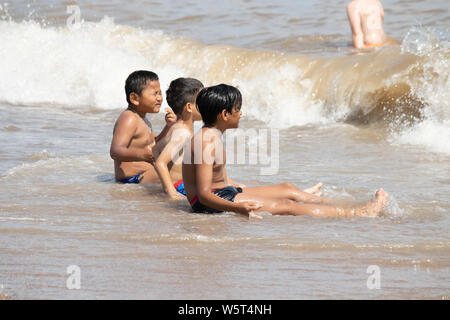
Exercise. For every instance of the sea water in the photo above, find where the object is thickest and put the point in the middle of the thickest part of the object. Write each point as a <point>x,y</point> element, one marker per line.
<point>356,121</point>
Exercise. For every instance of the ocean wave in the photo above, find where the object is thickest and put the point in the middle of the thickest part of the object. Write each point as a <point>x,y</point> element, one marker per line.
<point>403,86</point>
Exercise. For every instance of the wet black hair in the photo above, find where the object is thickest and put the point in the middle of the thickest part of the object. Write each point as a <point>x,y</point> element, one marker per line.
<point>182,91</point>
<point>137,81</point>
<point>213,100</point>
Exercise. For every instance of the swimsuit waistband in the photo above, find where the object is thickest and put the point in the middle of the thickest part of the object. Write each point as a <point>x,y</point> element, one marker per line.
<point>177,184</point>
<point>193,201</point>
<point>374,45</point>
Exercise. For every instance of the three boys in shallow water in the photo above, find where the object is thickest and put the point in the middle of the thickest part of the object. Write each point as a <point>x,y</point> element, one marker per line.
<point>193,167</point>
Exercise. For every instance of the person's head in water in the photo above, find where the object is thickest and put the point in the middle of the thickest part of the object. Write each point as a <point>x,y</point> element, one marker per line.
<point>220,105</point>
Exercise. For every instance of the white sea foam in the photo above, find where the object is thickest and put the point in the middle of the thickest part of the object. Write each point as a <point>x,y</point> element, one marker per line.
<point>430,134</point>
<point>86,68</point>
<point>22,219</point>
<point>432,86</point>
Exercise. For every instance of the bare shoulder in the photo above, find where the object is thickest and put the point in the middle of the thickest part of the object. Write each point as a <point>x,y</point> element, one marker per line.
<point>351,6</point>
<point>175,134</point>
<point>179,131</point>
<point>125,123</point>
<point>127,118</point>
<point>211,135</point>
<point>352,9</point>
<point>379,4</point>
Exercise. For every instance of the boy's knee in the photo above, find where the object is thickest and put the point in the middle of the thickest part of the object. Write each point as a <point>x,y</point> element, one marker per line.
<point>285,206</point>
<point>288,186</point>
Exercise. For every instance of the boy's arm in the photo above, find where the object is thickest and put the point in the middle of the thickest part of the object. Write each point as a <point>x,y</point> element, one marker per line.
<point>203,178</point>
<point>123,134</point>
<point>163,133</point>
<point>170,118</point>
<point>167,155</point>
<point>355,24</point>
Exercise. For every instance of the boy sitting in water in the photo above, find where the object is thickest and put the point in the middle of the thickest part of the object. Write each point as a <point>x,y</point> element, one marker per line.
<point>168,151</point>
<point>366,20</point>
<point>133,136</point>
<point>205,179</point>
<point>181,97</point>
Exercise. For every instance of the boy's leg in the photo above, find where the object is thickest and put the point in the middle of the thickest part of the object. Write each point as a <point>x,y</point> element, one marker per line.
<point>290,207</point>
<point>285,191</point>
<point>315,190</point>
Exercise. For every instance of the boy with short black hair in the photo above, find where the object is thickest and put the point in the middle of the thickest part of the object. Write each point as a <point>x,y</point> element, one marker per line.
<point>133,136</point>
<point>168,151</point>
<point>181,96</point>
<point>205,178</point>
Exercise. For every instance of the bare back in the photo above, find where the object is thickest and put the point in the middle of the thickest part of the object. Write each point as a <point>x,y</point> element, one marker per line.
<point>366,20</point>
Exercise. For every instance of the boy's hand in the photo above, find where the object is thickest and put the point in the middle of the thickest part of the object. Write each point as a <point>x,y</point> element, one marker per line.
<point>148,155</point>
<point>249,208</point>
<point>171,117</point>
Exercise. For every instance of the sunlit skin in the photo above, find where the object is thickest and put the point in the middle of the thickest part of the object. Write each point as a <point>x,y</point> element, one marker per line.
<point>203,176</point>
<point>366,21</point>
<point>169,154</point>
<point>132,143</point>
<point>169,150</point>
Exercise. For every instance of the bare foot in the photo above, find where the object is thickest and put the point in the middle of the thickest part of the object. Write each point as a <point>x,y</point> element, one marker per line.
<point>373,208</point>
<point>315,190</point>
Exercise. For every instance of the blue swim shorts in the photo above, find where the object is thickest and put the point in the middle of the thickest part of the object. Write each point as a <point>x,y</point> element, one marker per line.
<point>134,179</point>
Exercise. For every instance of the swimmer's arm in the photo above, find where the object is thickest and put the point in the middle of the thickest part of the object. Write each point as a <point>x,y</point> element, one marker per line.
<point>161,167</point>
<point>167,155</point>
<point>162,134</point>
<point>203,177</point>
<point>355,23</point>
<point>170,118</point>
<point>124,132</point>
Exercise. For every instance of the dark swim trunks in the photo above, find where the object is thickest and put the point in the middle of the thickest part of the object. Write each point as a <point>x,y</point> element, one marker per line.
<point>227,193</point>
<point>134,179</point>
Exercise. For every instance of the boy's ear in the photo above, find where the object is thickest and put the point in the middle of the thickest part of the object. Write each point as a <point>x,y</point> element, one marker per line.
<point>189,107</point>
<point>224,115</point>
<point>134,98</point>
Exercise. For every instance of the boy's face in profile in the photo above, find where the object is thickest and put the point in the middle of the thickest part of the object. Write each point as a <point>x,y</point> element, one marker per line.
<point>151,97</point>
<point>234,117</point>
